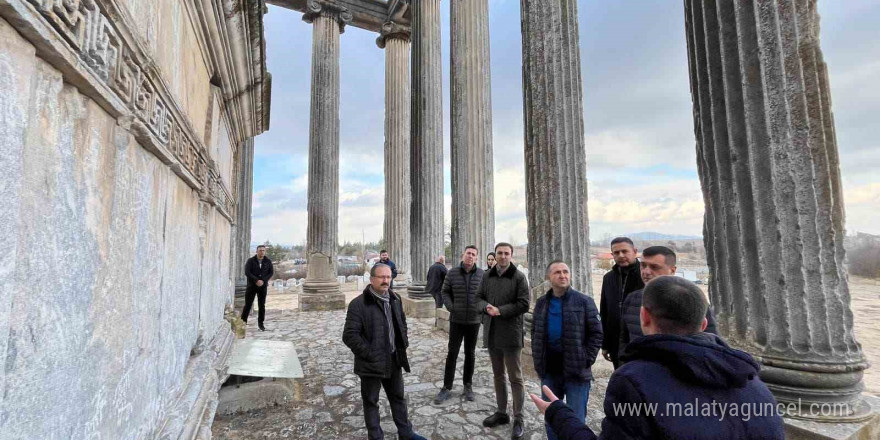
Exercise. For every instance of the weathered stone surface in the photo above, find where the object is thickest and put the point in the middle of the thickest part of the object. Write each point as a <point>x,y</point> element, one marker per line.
<point>767,160</point>
<point>397,146</point>
<point>556,167</point>
<point>427,139</point>
<point>473,197</point>
<point>321,289</point>
<point>417,307</point>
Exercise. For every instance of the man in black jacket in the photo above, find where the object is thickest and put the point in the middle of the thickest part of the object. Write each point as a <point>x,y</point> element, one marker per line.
<point>375,331</point>
<point>436,275</point>
<point>258,270</point>
<point>503,297</point>
<point>386,260</point>
<point>686,384</point>
<point>622,279</point>
<point>460,297</point>
<point>656,261</point>
<point>566,337</point>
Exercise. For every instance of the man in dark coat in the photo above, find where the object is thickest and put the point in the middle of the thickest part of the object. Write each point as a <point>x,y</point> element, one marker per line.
<point>504,297</point>
<point>460,297</point>
<point>656,261</point>
<point>566,338</point>
<point>386,260</point>
<point>686,384</point>
<point>375,331</point>
<point>622,279</point>
<point>258,270</point>
<point>436,275</point>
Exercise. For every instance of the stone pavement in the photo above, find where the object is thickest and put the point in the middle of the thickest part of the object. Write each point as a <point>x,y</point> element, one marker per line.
<point>328,404</point>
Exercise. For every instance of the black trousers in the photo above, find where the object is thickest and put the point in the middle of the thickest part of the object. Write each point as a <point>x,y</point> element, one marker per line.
<point>457,332</point>
<point>250,293</point>
<point>394,391</point>
<point>438,299</point>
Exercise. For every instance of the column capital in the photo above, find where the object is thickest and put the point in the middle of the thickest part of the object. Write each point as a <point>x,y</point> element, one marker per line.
<point>322,8</point>
<point>393,30</point>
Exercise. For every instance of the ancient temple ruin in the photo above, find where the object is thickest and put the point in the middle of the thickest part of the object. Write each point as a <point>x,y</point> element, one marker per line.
<point>127,164</point>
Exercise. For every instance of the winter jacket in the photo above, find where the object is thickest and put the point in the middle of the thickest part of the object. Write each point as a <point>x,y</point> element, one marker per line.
<point>616,284</point>
<point>630,322</point>
<point>434,279</point>
<point>460,294</point>
<point>255,270</point>
<point>510,293</point>
<point>366,334</point>
<point>581,335</point>
<point>701,387</point>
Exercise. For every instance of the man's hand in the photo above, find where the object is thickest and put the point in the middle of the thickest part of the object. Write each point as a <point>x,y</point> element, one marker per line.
<point>541,403</point>
<point>492,310</point>
<point>259,283</point>
<point>606,355</point>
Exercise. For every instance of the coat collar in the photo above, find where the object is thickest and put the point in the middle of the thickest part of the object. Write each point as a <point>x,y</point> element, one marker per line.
<point>368,296</point>
<point>509,273</point>
<point>464,271</point>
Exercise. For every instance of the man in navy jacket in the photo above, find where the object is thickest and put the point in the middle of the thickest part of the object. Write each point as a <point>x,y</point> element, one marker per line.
<point>678,382</point>
<point>566,338</point>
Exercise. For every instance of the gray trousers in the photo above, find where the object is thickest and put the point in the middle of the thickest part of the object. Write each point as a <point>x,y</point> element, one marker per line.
<point>508,360</point>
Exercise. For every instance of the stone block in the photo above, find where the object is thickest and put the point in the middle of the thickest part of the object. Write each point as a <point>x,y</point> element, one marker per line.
<point>235,399</point>
<point>323,302</point>
<point>418,308</point>
<point>809,430</point>
<point>442,320</point>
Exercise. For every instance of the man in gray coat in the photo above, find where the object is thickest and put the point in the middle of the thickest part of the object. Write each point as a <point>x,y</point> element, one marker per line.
<point>504,298</point>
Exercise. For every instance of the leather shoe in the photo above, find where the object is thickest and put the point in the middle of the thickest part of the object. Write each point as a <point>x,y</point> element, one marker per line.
<point>417,437</point>
<point>441,396</point>
<point>468,393</point>
<point>262,329</point>
<point>518,430</point>
<point>496,419</point>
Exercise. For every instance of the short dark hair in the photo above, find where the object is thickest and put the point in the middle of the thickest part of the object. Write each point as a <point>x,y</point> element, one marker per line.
<point>660,250</point>
<point>490,253</point>
<point>261,246</point>
<point>617,240</point>
<point>470,246</point>
<point>677,305</point>
<point>547,270</point>
<point>376,267</point>
<point>383,251</point>
<point>504,244</point>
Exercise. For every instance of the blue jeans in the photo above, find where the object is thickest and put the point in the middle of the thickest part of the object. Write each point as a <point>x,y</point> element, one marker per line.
<point>575,394</point>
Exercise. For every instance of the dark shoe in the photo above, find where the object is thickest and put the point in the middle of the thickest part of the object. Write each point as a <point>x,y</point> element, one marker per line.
<point>262,329</point>
<point>496,419</point>
<point>441,396</point>
<point>518,430</point>
<point>417,437</point>
<point>468,393</point>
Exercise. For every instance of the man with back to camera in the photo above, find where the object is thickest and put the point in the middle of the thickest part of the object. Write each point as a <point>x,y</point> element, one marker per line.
<point>258,270</point>
<point>656,261</point>
<point>566,338</point>
<point>674,365</point>
<point>503,297</point>
<point>376,332</point>
<point>460,297</point>
<point>434,280</point>
<point>622,279</point>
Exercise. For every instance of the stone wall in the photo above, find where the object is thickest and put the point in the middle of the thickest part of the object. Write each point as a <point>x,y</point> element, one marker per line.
<point>120,127</point>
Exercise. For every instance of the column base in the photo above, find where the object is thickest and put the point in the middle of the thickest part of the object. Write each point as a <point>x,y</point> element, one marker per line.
<point>417,291</point>
<point>441,320</point>
<point>418,307</point>
<point>799,429</point>
<point>320,296</point>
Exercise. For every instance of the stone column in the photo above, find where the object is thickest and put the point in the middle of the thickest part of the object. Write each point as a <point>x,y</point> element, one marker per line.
<point>555,158</point>
<point>774,225</point>
<point>242,244</point>
<point>395,40</point>
<point>473,200</point>
<point>426,172</point>
<point>321,289</point>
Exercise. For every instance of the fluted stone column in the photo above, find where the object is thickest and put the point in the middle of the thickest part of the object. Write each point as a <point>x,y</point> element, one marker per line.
<point>556,179</point>
<point>774,225</point>
<point>242,244</point>
<point>395,40</point>
<point>473,200</point>
<point>321,290</point>
<point>426,173</point>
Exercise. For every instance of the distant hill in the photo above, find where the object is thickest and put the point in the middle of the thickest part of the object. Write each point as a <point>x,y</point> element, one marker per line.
<point>648,236</point>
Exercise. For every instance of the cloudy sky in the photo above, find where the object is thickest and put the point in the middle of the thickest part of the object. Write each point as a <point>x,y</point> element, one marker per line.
<point>637,112</point>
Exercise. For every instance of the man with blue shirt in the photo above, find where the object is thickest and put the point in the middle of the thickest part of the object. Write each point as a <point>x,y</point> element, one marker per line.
<point>566,338</point>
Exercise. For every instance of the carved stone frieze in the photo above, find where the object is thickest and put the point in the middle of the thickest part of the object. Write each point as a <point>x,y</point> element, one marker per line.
<point>97,41</point>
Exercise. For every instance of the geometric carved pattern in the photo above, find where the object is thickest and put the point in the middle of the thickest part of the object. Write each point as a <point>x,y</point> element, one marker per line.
<point>83,25</point>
